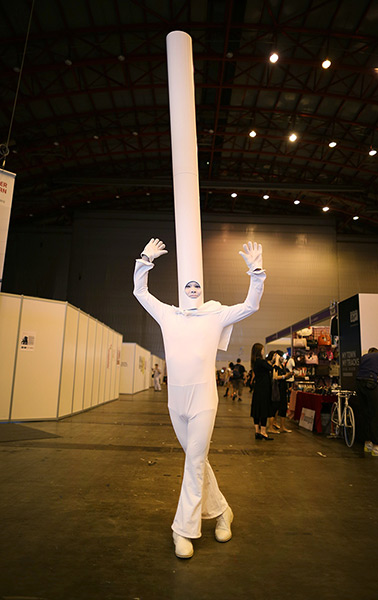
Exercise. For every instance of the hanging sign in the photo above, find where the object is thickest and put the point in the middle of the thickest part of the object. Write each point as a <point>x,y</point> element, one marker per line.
<point>6,196</point>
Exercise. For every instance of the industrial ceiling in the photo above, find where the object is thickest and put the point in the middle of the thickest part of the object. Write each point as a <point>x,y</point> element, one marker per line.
<point>85,117</point>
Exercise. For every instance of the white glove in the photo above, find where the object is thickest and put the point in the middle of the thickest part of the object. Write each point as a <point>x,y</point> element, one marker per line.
<point>252,255</point>
<point>154,249</point>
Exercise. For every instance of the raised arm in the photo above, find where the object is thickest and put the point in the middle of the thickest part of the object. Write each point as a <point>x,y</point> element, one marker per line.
<point>153,306</point>
<point>253,257</point>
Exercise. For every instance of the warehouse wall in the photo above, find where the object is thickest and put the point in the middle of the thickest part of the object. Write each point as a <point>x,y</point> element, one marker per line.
<point>308,266</point>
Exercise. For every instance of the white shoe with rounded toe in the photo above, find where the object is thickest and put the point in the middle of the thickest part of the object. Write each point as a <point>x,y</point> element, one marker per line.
<point>223,531</point>
<point>183,546</point>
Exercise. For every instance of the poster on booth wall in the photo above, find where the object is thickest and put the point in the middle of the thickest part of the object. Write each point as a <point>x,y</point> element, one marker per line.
<point>307,419</point>
<point>6,196</point>
<point>350,341</point>
<point>27,340</point>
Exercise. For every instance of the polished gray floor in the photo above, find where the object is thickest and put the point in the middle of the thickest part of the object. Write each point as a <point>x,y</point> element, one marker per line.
<point>87,504</point>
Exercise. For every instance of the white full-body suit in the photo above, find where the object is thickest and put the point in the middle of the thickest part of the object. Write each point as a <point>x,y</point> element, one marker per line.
<point>191,338</point>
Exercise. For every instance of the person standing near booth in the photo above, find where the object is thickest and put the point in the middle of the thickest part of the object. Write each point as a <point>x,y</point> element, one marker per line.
<point>367,392</point>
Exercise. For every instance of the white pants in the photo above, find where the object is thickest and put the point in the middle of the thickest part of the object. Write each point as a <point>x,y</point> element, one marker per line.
<point>200,496</point>
<point>157,385</point>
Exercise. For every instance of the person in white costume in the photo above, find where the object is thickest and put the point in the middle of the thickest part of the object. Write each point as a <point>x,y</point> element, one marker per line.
<point>191,338</point>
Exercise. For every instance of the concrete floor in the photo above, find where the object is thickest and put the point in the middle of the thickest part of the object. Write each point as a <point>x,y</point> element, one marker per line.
<point>87,504</point>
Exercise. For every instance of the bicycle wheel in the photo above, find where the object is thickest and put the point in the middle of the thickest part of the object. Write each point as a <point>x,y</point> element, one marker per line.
<point>335,426</point>
<point>349,427</point>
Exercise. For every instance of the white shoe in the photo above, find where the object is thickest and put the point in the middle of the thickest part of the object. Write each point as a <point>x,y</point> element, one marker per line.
<point>183,546</point>
<point>374,451</point>
<point>368,446</point>
<point>223,531</point>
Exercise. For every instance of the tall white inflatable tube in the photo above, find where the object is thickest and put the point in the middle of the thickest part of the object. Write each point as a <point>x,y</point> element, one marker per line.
<point>185,166</point>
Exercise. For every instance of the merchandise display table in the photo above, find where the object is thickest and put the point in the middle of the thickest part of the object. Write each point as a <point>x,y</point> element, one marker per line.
<point>314,402</point>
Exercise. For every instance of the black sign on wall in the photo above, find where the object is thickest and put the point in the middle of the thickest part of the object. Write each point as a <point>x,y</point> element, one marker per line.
<point>350,341</point>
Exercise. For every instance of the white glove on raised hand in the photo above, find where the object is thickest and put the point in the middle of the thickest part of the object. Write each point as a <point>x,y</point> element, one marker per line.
<point>252,255</point>
<point>154,249</point>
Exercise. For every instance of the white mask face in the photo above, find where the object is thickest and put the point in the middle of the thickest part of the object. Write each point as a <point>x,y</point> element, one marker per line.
<point>193,289</point>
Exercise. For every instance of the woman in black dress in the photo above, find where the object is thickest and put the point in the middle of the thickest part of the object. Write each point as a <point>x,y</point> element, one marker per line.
<point>262,392</point>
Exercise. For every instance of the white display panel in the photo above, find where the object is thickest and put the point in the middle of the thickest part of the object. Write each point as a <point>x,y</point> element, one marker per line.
<point>68,362</point>
<point>118,366</point>
<point>110,365</point>
<point>97,365</point>
<point>104,362</point>
<point>368,321</point>
<point>10,307</point>
<point>38,364</point>
<point>126,383</point>
<point>141,369</point>
<point>89,364</point>
<point>81,350</point>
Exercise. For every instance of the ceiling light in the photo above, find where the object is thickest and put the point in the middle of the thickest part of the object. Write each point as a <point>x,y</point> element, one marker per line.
<point>56,143</point>
<point>68,62</point>
<point>88,201</point>
<point>31,215</point>
<point>372,152</point>
<point>326,63</point>
<point>325,208</point>
<point>16,69</point>
<point>355,218</point>
<point>95,137</point>
<point>148,194</point>
<point>266,197</point>
<point>63,206</point>
<point>293,137</point>
<point>234,195</point>
<point>273,57</point>
<point>252,133</point>
<point>211,131</point>
<point>121,58</point>
<point>332,144</point>
<point>135,133</point>
<point>117,197</point>
<point>207,162</point>
<point>229,54</point>
<point>297,201</point>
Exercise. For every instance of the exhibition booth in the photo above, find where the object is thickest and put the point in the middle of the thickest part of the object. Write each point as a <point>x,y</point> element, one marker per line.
<point>56,360</point>
<point>327,348</point>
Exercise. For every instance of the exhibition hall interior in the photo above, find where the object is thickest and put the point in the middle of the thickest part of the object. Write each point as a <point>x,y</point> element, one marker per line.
<point>143,145</point>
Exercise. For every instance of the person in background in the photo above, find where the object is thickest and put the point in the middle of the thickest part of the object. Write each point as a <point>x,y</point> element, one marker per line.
<point>262,393</point>
<point>156,373</point>
<point>279,377</point>
<point>367,392</point>
<point>227,378</point>
<point>238,375</point>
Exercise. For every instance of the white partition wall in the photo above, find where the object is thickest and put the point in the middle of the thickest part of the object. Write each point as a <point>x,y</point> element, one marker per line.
<point>55,359</point>
<point>38,360</point>
<point>126,384</point>
<point>97,365</point>
<point>135,369</point>
<point>368,321</point>
<point>67,378</point>
<point>89,362</point>
<point>9,322</point>
<point>81,350</point>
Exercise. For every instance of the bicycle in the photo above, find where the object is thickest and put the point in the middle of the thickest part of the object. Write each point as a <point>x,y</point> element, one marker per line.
<point>342,417</point>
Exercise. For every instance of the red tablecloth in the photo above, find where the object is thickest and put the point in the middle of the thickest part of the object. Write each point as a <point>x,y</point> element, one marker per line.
<point>314,402</point>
